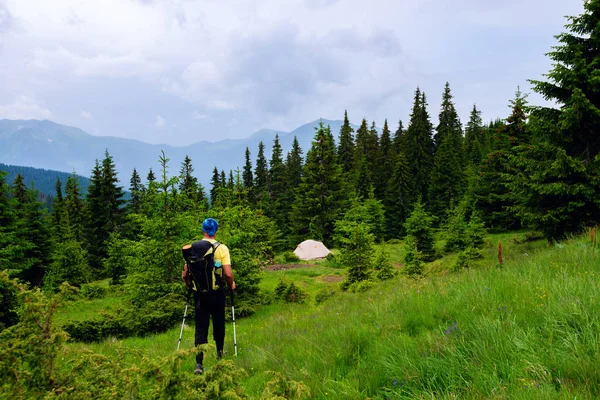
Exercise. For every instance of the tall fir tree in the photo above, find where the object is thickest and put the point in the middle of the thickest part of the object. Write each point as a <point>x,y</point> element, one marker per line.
<point>216,185</point>
<point>474,137</point>
<point>57,209</point>
<point>399,196</point>
<point>20,190</point>
<point>74,209</point>
<point>188,186</point>
<point>419,144</point>
<point>447,176</point>
<point>319,195</point>
<point>492,193</point>
<point>247,176</point>
<point>398,140</point>
<point>261,178</point>
<point>278,183</point>
<point>294,164</point>
<point>384,162</point>
<point>135,189</point>
<point>346,147</point>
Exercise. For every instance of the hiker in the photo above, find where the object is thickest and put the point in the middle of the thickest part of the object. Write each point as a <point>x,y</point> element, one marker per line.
<point>209,288</point>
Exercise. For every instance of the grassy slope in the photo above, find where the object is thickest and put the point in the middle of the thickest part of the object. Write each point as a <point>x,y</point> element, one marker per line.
<point>528,330</point>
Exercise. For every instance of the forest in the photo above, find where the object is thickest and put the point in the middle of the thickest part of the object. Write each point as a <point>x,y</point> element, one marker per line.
<point>392,206</point>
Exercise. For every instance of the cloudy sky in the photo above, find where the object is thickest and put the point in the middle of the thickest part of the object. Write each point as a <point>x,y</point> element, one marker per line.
<point>180,71</point>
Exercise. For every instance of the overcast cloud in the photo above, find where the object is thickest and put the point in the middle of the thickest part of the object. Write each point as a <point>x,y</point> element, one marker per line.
<point>180,71</point>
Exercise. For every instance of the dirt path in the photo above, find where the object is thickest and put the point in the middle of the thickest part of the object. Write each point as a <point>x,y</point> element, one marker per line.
<point>280,267</point>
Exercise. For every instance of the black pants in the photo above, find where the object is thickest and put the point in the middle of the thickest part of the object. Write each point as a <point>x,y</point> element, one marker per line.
<point>207,305</point>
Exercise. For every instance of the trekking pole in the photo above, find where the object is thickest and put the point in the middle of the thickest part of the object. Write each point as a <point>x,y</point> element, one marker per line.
<point>233,318</point>
<point>182,323</point>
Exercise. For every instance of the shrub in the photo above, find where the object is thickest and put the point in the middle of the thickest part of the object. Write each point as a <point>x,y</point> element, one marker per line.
<point>362,286</point>
<point>465,258</point>
<point>280,387</point>
<point>419,227</point>
<point>90,291</point>
<point>294,294</point>
<point>290,257</point>
<point>357,255</point>
<point>413,258</point>
<point>324,294</point>
<point>385,269</point>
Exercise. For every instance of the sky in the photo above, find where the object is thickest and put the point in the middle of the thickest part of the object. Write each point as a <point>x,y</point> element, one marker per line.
<point>181,71</point>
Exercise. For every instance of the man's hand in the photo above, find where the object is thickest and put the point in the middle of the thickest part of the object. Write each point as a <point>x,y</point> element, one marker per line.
<point>233,286</point>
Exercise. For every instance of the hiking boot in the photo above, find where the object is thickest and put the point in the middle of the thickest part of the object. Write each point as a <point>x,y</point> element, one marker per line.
<point>199,369</point>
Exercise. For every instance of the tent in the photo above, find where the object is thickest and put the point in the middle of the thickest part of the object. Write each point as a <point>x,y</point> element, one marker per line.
<point>311,249</point>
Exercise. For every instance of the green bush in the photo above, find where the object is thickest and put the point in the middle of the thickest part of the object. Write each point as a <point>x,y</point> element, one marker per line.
<point>324,294</point>
<point>155,317</point>
<point>290,257</point>
<point>362,286</point>
<point>91,291</point>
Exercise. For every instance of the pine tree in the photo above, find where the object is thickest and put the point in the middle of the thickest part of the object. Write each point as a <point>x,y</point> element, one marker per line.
<point>399,196</point>
<point>10,249</point>
<point>112,194</point>
<point>358,255</point>
<point>36,235</point>
<point>151,177</point>
<point>318,199</point>
<point>419,226</point>
<point>293,174</point>
<point>58,209</point>
<point>135,188</point>
<point>216,185</point>
<point>19,189</point>
<point>346,146</point>
<point>278,183</point>
<point>419,144</point>
<point>474,136</point>
<point>492,193</point>
<point>557,178</point>
<point>74,209</point>
<point>384,162</point>
<point>188,185</point>
<point>398,141</point>
<point>247,176</point>
<point>261,177</point>
<point>447,177</point>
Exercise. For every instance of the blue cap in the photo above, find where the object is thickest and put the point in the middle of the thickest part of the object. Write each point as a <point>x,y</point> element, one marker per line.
<point>210,226</point>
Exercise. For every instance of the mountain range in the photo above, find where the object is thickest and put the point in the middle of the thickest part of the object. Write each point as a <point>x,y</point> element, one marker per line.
<point>48,145</point>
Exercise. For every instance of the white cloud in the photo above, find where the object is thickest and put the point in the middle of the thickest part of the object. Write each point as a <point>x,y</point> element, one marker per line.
<point>199,115</point>
<point>86,115</point>
<point>160,122</point>
<point>24,107</point>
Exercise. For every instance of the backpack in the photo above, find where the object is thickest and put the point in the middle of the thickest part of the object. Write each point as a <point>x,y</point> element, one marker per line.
<point>200,258</point>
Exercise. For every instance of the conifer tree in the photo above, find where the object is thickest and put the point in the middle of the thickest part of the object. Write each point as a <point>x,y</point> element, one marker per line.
<point>399,196</point>
<point>492,193</point>
<point>346,146</point>
<point>419,144</point>
<point>74,209</point>
<point>278,183</point>
<point>358,255</point>
<point>557,179</point>
<point>112,194</point>
<point>57,209</point>
<point>419,226</point>
<point>398,140</point>
<point>36,238</point>
<point>447,176</point>
<point>9,246</point>
<point>216,185</point>
<point>293,175</point>
<point>20,190</point>
<point>384,162</point>
<point>151,177</point>
<point>247,176</point>
<point>319,195</point>
<point>135,188</point>
<point>474,137</point>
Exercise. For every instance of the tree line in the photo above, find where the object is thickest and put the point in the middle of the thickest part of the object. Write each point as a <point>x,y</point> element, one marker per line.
<point>538,167</point>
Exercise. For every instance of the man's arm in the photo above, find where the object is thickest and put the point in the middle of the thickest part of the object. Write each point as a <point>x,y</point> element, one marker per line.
<point>228,272</point>
<point>186,276</point>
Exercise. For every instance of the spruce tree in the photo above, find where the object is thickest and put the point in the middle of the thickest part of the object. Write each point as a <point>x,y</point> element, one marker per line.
<point>399,196</point>
<point>151,177</point>
<point>293,173</point>
<point>419,144</point>
<point>398,141</point>
<point>557,179</point>
<point>319,195</point>
<point>278,183</point>
<point>419,227</point>
<point>474,137</point>
<point>447,177</point>
<point>216,185</point>
<point>492,193</point>
<point>135,188</point>
<point>57,209</point>
<point>19,189</point>
<point>9,244</point>
<point>384,162</point>
<point>247,175</point>
<point>346,146</point>
<point>112,194</point>
<point>74,209</point>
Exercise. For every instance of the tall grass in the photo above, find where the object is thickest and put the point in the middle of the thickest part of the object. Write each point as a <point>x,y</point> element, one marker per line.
<point>529,329</point>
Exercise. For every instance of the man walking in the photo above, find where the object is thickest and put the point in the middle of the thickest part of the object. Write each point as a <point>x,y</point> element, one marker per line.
<point>205,275</point>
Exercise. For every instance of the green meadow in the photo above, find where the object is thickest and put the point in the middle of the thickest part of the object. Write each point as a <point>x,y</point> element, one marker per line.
<point>526,329</point>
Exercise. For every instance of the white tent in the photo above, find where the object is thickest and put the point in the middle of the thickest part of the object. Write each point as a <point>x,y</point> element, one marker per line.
<point>311,249</point>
